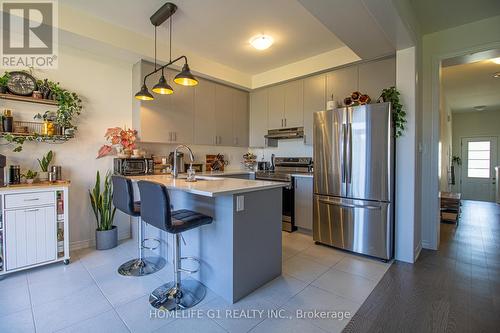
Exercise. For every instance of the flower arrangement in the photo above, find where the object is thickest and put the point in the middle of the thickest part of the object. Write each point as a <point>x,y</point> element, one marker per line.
<point>119,140</point>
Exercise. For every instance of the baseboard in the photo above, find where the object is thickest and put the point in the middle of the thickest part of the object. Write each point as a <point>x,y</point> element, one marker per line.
<point>83,244</point>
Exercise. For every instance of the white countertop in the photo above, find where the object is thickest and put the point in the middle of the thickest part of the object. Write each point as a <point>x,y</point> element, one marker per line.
<point>226,173</point>
<point>210,186</point>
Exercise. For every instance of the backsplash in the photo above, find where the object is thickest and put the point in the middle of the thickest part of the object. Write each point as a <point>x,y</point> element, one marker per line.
<point>232,154</point>
<point>286,148</point>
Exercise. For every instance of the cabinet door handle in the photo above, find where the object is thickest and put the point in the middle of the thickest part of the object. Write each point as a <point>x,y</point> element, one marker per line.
<point>32,210</point>
<point>32,199</point>
<point>285,122</point>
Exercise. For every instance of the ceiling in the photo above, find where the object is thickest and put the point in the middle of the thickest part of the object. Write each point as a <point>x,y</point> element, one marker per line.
<point>436,15</point>
<point>469,85</point>
<point>220,30</point>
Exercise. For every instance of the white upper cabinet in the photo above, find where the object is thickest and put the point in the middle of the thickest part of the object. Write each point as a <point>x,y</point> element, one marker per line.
<point>314,100</point>
<point>258,117</point>
<point>294,107</point>
<point>167,118</point>
<point>209,113</point>
<point>204,113</point>
<point>341,83</point>
<point>377,75</point>
<point>276,107</point>
<point>182,111</point>
<point>240,118</point>
<point>224,115</point>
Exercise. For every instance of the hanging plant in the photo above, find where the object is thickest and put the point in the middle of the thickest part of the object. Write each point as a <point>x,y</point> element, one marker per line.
<point>69,105</point>
<point>398,113</point>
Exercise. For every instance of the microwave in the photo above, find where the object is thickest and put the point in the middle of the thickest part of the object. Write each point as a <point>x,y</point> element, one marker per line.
<point>133,166</point>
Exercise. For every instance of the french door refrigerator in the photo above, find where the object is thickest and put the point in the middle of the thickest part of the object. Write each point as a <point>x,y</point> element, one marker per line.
<point>354,179</point>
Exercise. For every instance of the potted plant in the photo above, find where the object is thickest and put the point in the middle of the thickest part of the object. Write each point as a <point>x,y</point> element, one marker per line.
<point>44,165</point>
<point>120,141</point>
<point>398,113</point>
<point>104,212</point>
<point>3,82</point>
<point>30,176</point>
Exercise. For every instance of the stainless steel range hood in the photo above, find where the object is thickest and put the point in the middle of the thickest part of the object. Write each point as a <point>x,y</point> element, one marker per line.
<point>285,133</point>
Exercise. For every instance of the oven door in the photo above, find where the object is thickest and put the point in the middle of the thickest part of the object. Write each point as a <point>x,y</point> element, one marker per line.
<point>288,219</point>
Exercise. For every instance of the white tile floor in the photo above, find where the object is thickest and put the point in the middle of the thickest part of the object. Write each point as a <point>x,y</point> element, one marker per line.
<point>90,296</point>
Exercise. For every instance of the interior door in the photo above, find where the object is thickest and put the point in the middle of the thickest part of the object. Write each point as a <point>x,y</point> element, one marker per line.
<point>479,157</point>
<point>330,133</point>
<point>369,152</point>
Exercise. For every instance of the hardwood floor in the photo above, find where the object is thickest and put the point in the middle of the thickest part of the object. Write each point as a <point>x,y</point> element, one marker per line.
<point>455,289</point>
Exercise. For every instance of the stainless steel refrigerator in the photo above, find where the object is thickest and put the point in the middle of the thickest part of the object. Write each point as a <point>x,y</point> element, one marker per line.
<point>354,179</point>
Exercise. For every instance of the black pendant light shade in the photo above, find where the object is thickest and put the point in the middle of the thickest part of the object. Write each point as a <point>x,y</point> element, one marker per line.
<point>162,87</point>
<point>144,94</point>
<point>185,77</point>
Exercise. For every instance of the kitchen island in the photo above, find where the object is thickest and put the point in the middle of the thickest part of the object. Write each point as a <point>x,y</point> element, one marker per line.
<point>241,250</point>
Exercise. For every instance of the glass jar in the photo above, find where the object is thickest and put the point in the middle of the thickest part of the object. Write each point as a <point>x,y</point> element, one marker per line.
<point>48,128</point>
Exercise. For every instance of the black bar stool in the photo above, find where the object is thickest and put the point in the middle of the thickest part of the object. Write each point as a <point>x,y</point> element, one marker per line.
<point>123,200</point>
<point>156,211</point>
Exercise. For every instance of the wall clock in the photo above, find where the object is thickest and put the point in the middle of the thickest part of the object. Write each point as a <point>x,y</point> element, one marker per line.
<point>21,83</point>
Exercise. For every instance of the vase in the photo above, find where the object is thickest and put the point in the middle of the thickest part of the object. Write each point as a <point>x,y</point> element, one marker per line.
<point>106,239</point>
<point>3,89</point>
<point>29,181</point>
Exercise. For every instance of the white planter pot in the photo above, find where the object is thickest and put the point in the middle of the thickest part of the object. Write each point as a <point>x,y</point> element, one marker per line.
<point>43,176</point>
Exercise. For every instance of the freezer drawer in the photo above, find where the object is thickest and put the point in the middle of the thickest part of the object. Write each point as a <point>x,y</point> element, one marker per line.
<point>360,226</point>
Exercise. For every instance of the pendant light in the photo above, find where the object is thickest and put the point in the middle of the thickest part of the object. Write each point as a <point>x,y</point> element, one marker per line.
<point>144,94</point>
<point>185,77</point>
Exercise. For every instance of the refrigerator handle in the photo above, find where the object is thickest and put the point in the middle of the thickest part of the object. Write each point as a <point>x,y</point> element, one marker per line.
<point>344,152</point>
<point>345,205</point>
<point>349,173</point>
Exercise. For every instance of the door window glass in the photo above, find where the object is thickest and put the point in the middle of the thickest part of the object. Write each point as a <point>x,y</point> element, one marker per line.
<point>478,159</point>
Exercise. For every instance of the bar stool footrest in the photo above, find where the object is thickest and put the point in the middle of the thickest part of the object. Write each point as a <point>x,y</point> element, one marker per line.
<point>151,248</point>
<point>190,271</point>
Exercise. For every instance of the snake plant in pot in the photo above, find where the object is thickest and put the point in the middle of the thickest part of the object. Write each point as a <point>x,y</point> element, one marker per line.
<point>104,212</point>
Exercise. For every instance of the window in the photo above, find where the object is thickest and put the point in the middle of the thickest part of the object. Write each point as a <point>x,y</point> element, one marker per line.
<point>478,159</point>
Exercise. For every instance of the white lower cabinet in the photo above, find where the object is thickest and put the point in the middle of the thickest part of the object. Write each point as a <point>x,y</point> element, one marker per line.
<point>34,227</point>
<point>303,202</point>
<point>30,236</point>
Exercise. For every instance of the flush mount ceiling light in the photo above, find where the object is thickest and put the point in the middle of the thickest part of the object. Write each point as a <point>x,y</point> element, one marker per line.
<point>496,75</point>
<point>496,60</point>
<point>185,77</point>
<point>480,107</point>
<point>261,42</point>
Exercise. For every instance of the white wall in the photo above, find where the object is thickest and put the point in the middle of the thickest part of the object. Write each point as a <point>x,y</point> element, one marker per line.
<point>445,142</point>
<point>474,37</point>
<point>407,237</point>
<point>105,86</point>
<point>474,124</point>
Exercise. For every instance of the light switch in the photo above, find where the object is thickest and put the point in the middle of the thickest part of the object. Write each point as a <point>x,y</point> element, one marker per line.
<point>240,203</point>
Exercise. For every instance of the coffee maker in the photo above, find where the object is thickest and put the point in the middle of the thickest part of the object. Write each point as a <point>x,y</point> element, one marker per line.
<point>3,161</point>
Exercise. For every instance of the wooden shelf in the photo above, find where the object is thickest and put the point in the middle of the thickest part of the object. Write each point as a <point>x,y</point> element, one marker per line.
<point>28,99</point>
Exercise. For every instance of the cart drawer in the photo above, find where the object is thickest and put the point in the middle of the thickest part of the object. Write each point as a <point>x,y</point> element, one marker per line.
<point>29,199</point>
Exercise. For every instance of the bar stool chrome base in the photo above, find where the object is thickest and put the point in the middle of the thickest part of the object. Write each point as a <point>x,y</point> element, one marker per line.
<point>168,297</point>
<point>141,267</point>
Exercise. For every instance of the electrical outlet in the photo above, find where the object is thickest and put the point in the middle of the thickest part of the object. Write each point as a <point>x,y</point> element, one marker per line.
<point>240,203</point>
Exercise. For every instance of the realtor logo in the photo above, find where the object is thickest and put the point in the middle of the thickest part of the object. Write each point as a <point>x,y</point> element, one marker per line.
<point>29,34</point>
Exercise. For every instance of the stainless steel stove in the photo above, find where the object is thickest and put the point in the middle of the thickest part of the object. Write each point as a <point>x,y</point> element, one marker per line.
<point>284,168</point>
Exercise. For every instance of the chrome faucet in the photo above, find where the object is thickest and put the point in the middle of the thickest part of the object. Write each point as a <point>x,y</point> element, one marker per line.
<point>175,171</point>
